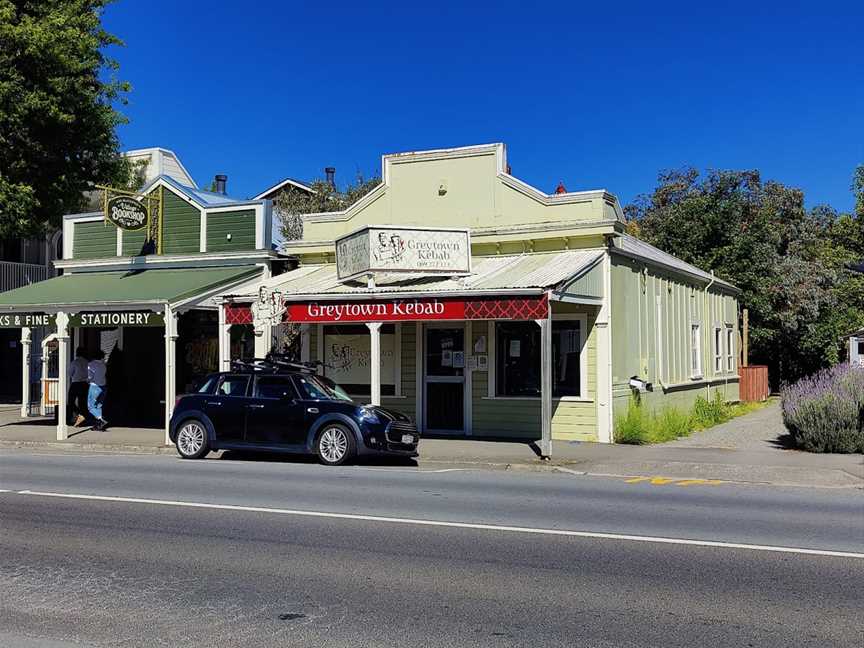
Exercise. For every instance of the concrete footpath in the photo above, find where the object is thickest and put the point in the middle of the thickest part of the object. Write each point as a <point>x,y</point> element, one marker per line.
<point>694,458</point>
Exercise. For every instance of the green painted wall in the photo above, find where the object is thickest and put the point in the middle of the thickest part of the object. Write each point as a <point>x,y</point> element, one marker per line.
<point>181,225</point>
<point>652,315</point>
<point>239,224</point>
<point>133,241</point>
<point>94,240</point>
<point>407,404</point>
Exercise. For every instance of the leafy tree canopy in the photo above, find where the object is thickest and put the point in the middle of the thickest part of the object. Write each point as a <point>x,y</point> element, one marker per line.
<point>57,118</point>
<point>290,205</point>
<point>790,262</point>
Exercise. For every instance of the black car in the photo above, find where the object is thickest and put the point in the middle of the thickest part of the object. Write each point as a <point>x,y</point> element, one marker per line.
<point>285,407</point>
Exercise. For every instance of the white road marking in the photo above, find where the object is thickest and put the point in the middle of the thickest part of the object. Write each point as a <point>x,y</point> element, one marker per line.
<point>454,525</point>
<point>3,490</point>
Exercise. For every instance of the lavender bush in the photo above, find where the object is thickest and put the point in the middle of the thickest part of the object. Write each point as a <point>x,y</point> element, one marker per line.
<point>823,412</point>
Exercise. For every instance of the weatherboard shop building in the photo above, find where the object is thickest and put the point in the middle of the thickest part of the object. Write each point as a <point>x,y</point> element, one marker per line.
<point>141,277</point>
<point>485,308</point>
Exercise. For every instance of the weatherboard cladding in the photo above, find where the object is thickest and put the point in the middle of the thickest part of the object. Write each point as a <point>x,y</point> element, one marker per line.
<point>240,225</point>
<point>181,225</point>
<point>133,241</point>
<point>94,240</point>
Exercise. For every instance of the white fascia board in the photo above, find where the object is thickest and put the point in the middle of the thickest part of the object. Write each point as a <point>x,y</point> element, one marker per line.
<point>288,181</point>
<point>373,296</point>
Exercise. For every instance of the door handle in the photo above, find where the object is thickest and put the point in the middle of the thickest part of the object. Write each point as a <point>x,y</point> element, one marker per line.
<point>312,410</point>
<point>213,403</point>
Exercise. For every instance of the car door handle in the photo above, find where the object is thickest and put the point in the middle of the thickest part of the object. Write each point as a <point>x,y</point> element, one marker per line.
<point>255,406</point>
<point>312,410</point>
<point>213,403</point>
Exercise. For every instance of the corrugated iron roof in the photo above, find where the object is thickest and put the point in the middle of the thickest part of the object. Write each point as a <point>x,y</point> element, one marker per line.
<point>513,272</point>
<point>636,247</point>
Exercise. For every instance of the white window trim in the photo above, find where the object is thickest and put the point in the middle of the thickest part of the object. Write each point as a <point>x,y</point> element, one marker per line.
<point>696,373</point>
<point>731,359</point>
<point>717,344</point>
<point>492,351</point>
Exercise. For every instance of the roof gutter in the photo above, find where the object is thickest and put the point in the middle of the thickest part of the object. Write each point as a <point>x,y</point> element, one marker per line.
<point>365,296</point>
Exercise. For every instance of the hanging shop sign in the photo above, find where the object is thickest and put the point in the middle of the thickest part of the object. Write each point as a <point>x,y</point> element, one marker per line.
<point>126,213</point>
<point>29,320</point>
<point>380,249</point>
<point>117,318</point>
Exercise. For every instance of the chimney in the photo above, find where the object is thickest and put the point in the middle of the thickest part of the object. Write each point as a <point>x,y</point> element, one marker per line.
<point>221,180</point>
<point>330,172</point>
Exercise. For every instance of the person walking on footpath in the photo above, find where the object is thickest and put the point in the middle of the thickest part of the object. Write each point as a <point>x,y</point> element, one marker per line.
<point>78,387</point>
<point>96,371</point>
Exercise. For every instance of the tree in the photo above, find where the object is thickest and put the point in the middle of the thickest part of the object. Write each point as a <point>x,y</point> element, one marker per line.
<point>58,123</point>
<point>291,205</point>
<point>788,261</point>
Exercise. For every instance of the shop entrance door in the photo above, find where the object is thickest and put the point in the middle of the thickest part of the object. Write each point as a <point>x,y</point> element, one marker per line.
<point>444,378</point>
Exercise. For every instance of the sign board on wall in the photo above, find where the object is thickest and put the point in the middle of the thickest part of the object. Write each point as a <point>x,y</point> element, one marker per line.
<point>126,213</point>
<point>30,320</point>
<point>347,358</point>
<point>381,249</point>
<point>117,318</point>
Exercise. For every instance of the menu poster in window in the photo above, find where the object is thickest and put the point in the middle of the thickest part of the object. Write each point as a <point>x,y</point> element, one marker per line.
<point>347,359</point>
<point>515,348</point>
<point>459,359</point>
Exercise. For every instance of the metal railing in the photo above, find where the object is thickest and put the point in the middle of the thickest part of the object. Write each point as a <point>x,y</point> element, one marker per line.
<point>14,275</point>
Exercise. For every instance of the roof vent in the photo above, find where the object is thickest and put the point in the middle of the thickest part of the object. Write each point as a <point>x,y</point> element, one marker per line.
<point>560,188</point>
<point>330,172</point>
<point>221,181</point>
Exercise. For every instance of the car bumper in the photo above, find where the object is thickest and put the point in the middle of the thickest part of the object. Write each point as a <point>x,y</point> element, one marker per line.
<point>391,440</point>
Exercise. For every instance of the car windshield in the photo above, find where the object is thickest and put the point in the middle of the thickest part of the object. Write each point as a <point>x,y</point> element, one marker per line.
<point>317,388</point>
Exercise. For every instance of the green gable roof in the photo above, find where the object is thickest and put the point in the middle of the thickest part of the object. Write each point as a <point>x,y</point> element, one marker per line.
<point>97,289</point>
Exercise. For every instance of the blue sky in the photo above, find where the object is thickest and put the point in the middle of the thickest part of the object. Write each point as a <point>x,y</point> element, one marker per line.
<point>597,95</point>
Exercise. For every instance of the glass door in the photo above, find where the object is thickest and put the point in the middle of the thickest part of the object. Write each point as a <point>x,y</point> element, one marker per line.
<point>445,378</point>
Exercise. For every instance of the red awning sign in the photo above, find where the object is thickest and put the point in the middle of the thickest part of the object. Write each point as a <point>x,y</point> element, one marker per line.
<point>405,310</point>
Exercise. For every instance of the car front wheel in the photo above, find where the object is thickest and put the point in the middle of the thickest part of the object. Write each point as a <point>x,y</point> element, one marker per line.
<point>335,445</point>
<point>192,440</point>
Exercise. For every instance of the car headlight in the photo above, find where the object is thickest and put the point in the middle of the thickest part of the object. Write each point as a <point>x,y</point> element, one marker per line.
<point>369,416</point>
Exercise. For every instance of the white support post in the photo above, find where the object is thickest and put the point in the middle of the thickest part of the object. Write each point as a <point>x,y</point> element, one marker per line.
<point>26,342</point>
<point>375,361</point>
<point>63,375</point>
<point>603,327</point>
<point>224,336</point>
<point>171,335</point>
<point>545,385</point>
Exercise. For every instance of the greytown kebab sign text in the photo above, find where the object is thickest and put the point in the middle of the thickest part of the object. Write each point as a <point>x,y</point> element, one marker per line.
<point>382,249</point>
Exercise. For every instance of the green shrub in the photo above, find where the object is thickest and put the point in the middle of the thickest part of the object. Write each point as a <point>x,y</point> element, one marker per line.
<point>639,426</point>
<point>709,413</point>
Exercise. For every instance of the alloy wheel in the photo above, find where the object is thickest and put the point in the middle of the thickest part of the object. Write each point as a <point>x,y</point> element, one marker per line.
<point>191,439</point>
<point>333,444</point>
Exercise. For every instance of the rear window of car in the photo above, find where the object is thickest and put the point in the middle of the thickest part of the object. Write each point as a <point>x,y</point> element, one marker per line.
<point>208,386</point>
<point>274,387</point>
<point>233,386</point>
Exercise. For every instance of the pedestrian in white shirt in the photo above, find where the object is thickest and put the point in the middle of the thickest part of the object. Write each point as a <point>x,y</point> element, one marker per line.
<point>79,385</point>
<point>96,371</point>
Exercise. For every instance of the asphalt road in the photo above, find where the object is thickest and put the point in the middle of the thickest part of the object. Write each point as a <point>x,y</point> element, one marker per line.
<point>282,554</point>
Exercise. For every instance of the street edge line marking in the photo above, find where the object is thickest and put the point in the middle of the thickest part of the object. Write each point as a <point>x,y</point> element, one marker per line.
<point>454,525</point>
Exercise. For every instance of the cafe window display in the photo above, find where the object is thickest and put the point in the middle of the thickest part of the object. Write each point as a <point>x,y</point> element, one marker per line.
<point>347,354</point>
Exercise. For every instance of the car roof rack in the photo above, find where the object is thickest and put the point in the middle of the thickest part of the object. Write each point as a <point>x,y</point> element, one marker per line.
<point>274,363</point>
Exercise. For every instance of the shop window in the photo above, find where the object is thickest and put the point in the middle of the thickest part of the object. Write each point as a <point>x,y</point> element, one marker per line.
<point>517,359</point>
<point>209,385</point>
<point>695,350</point>
<point>347,355</point>
<point>730,348</point>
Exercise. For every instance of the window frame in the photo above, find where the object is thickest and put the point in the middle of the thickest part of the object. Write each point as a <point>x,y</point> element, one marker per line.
<point>718,348</point>
<point>288,379</point>
<point>731,344</point>
<point>696,372</point>
<point>492,350</point>
<point>222,378</point>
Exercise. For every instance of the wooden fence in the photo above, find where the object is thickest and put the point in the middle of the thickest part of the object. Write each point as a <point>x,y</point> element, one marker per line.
<point>754,383</point>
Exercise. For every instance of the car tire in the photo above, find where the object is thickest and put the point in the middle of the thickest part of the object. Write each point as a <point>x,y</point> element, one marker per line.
<point>192,441</point>
<point>335,445</point>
